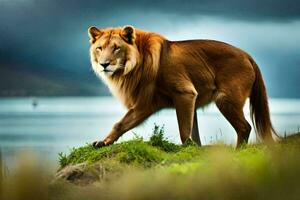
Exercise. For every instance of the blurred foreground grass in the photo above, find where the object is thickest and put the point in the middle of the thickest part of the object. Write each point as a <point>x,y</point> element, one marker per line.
<point>158,169</point>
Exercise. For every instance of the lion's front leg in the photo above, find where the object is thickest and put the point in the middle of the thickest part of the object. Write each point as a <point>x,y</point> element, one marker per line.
<point>131,119</point>
<point>185,110</point>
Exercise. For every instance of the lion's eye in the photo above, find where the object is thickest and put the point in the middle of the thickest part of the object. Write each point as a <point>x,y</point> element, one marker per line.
<point>99,48</point>
<point>116,49</point>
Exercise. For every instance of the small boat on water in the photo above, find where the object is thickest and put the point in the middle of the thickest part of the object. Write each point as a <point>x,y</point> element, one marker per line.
<point>34,102</point>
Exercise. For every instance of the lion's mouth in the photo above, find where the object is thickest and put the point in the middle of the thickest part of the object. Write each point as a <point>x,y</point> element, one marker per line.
<point>116,71</point>
<point>107,70</point>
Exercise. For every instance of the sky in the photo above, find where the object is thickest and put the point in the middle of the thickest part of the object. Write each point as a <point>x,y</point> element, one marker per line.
<point>53,33</point>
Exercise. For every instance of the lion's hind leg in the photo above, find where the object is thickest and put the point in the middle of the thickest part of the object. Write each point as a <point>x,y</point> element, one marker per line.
<point>232,109</point>
<point>195,130</point>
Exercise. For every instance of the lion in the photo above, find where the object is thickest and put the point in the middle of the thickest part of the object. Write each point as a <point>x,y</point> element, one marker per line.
<point>148,72</point>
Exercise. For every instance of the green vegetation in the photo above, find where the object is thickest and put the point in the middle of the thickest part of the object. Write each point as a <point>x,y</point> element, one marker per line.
<point>157,151</point>
<point>134,152</point>
<point>158,169</point>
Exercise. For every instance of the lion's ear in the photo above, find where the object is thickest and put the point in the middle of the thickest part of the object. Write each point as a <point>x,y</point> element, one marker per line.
<point>94,33</point>
<point>128,34</point>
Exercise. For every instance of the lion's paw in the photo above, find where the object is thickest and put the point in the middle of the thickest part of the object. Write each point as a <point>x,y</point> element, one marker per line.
<point>98,144</point>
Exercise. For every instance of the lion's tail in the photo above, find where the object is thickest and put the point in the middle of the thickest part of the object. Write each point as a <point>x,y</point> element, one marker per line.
<point>259,108</point>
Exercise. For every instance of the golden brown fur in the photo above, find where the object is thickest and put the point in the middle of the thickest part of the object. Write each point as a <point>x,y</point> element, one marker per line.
<point>148,72</point>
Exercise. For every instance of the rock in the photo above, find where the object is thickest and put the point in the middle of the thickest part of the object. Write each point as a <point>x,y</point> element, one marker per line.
<point>81,174</point>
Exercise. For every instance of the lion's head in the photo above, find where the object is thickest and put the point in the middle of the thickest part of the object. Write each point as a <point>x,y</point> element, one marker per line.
<point>113,51</point>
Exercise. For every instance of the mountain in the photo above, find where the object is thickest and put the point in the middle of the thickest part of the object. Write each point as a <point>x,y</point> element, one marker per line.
<point>25,80</point>
<point>16,80</point>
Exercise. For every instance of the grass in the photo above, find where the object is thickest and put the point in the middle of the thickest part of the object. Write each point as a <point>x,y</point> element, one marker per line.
<point>156,152</point>
<point>134,152</point>
<point>158,169</point>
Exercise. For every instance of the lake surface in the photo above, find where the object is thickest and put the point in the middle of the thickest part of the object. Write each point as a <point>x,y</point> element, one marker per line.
<point>58,124</point>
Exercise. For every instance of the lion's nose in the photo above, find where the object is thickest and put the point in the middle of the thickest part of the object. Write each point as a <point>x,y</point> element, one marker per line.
<point>104,65</point>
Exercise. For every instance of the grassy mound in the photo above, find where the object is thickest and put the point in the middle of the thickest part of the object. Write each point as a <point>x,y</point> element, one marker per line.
<point>135,152</point>
<point>158,169</point>
<point>161,155</point>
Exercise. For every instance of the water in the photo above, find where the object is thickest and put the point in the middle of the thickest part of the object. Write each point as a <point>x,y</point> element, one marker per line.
<point>58,124</point>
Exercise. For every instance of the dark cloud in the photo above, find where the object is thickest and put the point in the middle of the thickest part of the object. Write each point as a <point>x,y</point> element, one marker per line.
<point>53,33</point>
<point>246,10</point>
